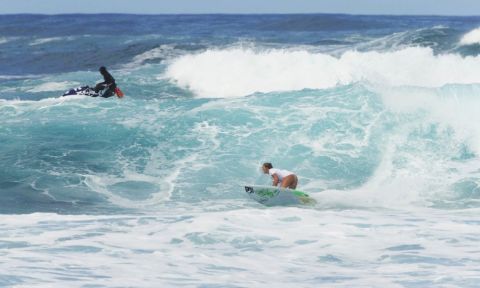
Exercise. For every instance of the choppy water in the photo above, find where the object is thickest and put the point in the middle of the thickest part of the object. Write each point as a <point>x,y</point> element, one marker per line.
<point>377,115</point>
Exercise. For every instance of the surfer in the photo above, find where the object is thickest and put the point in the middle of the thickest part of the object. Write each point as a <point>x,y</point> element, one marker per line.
<point>285,178</point>
<point>108,83</point>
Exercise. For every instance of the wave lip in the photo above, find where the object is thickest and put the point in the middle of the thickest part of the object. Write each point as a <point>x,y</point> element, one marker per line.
<point>240,72</point>
<point>471,38</point>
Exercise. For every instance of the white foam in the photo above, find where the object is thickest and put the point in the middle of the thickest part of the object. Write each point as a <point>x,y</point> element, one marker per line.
<point>420,155</point>
<point>163,180</point>
<point>100,184</point>
<point>15,77</point>
<point>249,247</point>
<point>472,37</point>
<point>207,133</point>
<point>35,103</point>
<point>53,86</point>
<point>41,41</point>
<point>239,72</point>
<point>451,107</point>
<point>155,53</point>
<point>4,40</point>
<point>26,106</point>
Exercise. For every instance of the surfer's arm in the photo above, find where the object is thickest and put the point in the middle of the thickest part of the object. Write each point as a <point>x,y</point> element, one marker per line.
<point>275,180</point>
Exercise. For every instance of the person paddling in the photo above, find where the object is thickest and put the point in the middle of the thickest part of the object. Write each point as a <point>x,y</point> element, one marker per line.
<point>285,178</point>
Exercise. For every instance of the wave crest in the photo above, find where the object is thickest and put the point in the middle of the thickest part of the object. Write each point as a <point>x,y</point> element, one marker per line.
<point>238,72</point>
<point>472,37</point>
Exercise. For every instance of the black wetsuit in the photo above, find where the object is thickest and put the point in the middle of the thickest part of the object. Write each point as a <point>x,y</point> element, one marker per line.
<point>108,84</point>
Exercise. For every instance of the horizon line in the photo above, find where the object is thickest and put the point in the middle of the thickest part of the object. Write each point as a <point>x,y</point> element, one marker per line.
<point>240,14</point>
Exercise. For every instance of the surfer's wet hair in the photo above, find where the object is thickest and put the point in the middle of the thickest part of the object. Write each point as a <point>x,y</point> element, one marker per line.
<point>267,165</point>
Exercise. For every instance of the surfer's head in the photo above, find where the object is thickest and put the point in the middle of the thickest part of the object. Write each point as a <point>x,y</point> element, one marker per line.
<point>102,69</point>
<point>266,166</point>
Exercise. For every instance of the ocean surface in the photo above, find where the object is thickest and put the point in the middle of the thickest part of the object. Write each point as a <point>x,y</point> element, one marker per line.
<point>379,116</point>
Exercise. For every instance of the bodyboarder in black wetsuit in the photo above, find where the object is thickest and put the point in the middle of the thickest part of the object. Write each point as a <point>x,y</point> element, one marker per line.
<point>108,84</point>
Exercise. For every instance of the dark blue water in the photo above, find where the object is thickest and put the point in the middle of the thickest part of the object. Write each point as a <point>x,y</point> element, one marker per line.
<point>83,41</point>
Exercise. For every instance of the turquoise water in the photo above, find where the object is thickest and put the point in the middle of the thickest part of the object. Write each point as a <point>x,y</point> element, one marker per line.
<point>376,115</point>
